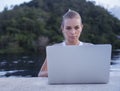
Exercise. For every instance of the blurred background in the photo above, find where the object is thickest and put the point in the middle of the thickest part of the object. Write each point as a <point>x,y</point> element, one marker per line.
<point>28,26</point>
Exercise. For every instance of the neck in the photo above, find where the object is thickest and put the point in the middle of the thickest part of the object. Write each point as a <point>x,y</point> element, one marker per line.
<point>72,43</point>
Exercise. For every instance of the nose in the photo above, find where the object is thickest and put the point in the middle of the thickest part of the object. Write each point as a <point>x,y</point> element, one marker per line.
<point>73,31</point>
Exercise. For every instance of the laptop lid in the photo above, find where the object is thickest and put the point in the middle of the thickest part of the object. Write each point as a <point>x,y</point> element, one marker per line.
<point>78,64</point>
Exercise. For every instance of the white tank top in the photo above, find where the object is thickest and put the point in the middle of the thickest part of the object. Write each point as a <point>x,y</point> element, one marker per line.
<point>64,44</point>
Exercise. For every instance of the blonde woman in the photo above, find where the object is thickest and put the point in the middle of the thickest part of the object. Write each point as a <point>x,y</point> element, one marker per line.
<point>71,28</point>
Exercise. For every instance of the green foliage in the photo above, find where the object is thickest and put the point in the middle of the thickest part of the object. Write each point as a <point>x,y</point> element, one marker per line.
<point>23,27</point>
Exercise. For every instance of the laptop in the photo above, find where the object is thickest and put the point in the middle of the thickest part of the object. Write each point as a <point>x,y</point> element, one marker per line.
<point>78,64</point>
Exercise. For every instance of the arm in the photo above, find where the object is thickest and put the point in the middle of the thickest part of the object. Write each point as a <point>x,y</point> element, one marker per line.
<point>43,71</point>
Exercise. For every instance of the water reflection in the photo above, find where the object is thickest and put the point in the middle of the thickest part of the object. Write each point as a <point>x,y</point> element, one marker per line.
<point>28,65</point>
<point>20,65</point>
<point>115,64</point>
<point>116,54</point>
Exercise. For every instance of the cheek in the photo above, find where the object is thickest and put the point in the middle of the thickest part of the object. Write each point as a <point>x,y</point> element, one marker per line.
<point>78,33</point>
<point>66,33</point>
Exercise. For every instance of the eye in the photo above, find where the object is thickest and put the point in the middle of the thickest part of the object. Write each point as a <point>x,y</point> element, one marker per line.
<point>68,28</point>
<point>77,27</point>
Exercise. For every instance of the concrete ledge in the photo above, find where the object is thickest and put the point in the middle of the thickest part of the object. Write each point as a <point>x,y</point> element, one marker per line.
<point>41,84</point>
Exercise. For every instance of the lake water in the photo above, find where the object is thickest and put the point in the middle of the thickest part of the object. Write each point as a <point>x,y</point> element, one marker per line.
<point>24,65</point>
<point>20,65</point>
<point>115,64</point>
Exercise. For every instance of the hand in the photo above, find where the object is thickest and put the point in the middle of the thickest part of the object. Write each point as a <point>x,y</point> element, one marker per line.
<point>43,74</point>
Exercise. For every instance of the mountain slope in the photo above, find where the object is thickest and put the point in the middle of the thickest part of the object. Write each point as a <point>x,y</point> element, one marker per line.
<point>33,25</point>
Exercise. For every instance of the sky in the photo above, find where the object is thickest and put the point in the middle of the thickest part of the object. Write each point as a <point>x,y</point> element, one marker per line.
<point>112,6</point>
<point>107,3</point>
<point>8,3</point>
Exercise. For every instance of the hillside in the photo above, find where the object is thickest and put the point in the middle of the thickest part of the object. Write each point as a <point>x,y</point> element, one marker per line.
<point>31,26</point>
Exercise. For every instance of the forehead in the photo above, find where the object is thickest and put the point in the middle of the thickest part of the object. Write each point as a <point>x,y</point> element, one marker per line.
<point>72,21</point>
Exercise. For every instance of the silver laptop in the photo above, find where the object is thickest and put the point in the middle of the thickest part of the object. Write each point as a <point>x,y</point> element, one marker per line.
<point>78,64</point>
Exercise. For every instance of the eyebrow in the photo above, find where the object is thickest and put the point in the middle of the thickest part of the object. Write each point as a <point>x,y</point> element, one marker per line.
<point>77,25</point>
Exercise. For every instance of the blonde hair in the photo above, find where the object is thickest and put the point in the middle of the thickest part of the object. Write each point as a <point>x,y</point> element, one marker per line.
<point>69,15</point>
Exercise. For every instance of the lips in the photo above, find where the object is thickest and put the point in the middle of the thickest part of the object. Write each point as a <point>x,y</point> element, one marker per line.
<point>73,37</point>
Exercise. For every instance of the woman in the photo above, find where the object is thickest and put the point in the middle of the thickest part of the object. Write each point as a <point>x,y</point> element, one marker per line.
<point>71,28</point>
